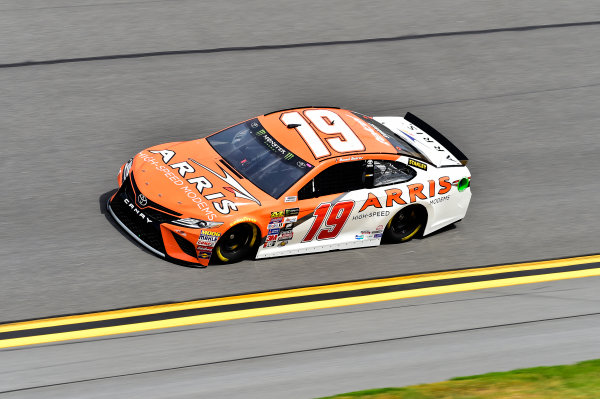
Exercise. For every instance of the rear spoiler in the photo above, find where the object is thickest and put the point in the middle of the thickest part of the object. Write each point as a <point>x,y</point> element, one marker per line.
<point>437,136</point>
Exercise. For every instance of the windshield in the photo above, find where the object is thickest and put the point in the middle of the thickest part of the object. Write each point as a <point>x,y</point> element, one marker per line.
<point>402,146</point>
<point>256,155</point>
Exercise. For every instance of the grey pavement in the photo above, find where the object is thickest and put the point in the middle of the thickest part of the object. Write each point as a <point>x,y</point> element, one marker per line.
<point>522,105</point>
<point>317,353</point>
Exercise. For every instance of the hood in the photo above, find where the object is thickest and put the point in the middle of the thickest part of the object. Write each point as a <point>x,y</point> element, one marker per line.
<point>192,179</point>
<point>438,149</point>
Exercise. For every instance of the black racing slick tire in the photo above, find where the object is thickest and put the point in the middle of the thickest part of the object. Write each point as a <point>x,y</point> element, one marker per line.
<point>237,243</point>
<point>406,224</point>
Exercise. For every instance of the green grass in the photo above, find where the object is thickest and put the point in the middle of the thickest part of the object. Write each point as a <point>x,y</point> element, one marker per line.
<point>577,381</point>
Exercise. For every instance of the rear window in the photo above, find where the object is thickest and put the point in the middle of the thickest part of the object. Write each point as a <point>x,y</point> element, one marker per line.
<point>403,147</point>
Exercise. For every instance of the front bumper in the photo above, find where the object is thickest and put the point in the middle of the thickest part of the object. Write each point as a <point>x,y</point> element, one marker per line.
<point>150,227</point>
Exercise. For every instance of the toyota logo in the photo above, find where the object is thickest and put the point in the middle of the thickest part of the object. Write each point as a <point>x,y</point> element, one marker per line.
<point>142,201</point>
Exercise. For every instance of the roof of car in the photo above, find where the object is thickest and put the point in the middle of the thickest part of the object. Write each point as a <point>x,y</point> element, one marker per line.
<point>319,133</point>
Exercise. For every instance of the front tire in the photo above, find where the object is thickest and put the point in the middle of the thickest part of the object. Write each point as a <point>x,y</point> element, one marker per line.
<point>236,243</point>
<point>405,224</point>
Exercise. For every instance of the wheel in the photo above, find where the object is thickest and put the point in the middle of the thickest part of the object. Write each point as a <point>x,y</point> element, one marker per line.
<point>236,243</point>
<point>405,224</point>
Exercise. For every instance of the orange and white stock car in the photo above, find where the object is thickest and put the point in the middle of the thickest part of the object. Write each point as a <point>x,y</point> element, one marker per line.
<point>290,182</point>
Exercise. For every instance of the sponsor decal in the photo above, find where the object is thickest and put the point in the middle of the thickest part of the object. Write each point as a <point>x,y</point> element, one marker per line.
<point>272,144</point>
<point>274,231</point>
<point>359,237</point>
<point>166,155</point>
<point>208,238</point>
<point>287,226</point>
<point>439,199</point>
<point>136,210</point>
<point>272,226</point>
<point>372,200</point>
<point>277,214</point>
<point>417,164</point>
<point>282,243</point>
<point>371,214</point>
<point>292,212</point>
<point>194,196</point>
<point>346,159</point>
<point>269,244</point>
<point>410,136</point>
<point>271,237</point>
<point>286,235</point>
<point>290,219</point>
<point>278,219</point>
<point>291,199</point>
<point>206,243</point>
<point>196,186</point>
<point>243,220</point>
<point>415,193</point>
<point>210,233</point>
<point>380,227</point>
<point>378,235</point>
<point>365,232</point>
<point>204,253</point>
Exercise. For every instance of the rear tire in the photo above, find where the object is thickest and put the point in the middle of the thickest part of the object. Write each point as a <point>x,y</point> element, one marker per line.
<point>406,224</point>
<point>237,243</point>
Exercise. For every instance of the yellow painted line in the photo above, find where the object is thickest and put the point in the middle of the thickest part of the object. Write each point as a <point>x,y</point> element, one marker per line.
<point>267,311</point>
<point>289,293</point>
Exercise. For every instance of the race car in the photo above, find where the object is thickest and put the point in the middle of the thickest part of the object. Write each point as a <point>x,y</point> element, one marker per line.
<point>290,182</point>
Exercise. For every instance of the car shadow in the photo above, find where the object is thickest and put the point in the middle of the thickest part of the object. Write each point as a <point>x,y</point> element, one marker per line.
<point>420,236</point>
<point>440,231</point>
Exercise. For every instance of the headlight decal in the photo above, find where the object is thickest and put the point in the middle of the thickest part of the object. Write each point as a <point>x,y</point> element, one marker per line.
<point>196,223</point>
<point>126,169</point>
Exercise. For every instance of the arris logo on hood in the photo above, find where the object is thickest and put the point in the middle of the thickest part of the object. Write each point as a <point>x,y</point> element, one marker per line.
<point>202,183</point>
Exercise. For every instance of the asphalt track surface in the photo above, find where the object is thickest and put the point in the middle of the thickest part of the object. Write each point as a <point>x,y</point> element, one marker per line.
<point>516,86</point>
<point>316,353</point>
